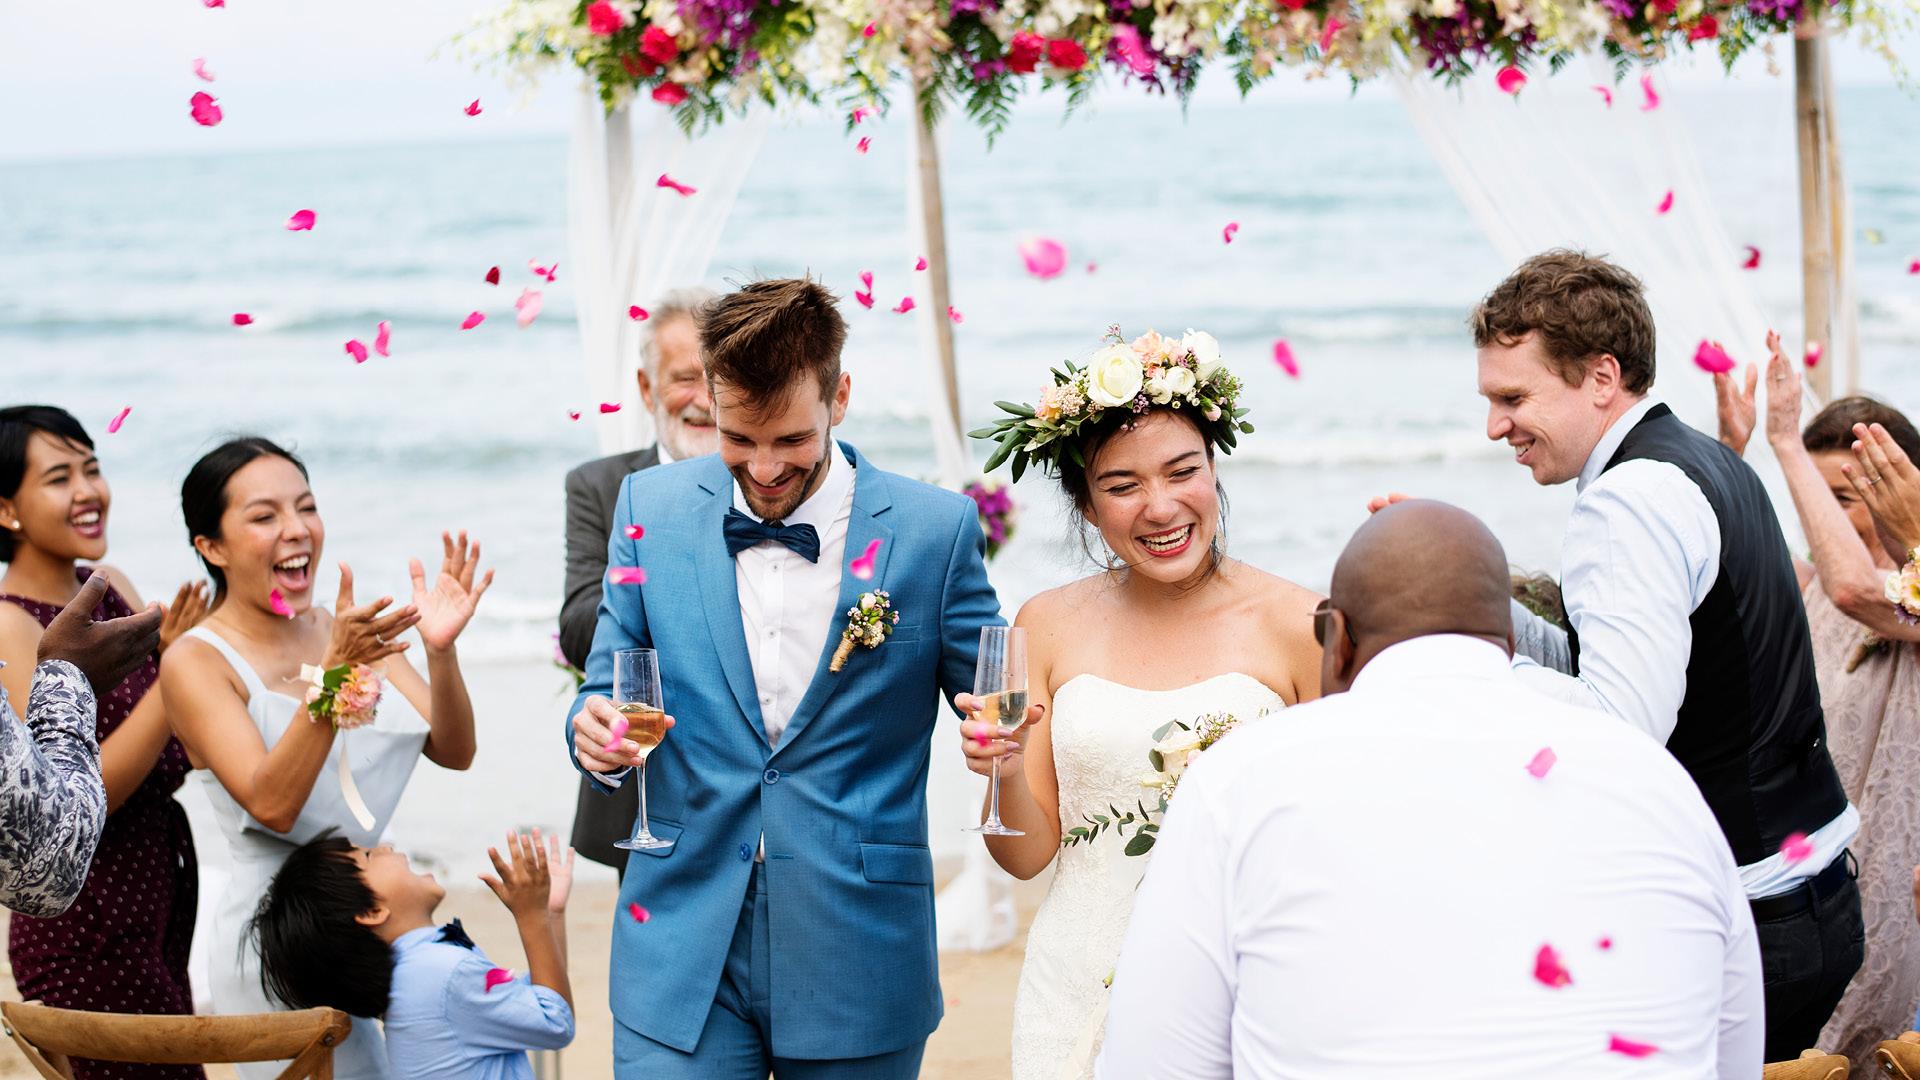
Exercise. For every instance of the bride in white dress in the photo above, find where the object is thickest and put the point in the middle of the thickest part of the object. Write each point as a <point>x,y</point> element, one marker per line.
<point>1174,629</point>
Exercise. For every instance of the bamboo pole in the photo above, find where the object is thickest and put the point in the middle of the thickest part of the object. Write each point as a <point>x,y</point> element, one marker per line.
<point>934,222</point>
<point>1846,321</point>
<point>619,164</point>
<point>1816,202</point>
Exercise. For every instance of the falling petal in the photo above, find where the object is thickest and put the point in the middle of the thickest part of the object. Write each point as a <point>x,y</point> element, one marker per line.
<point>1283,355</point>
<point>862,112</point>
<point>528,306</point>
<point>472,320</point>
<point>200,69</point>
<point>1548,969</point>
<point>869,31</point>
<point>493,276</point>
<point>543,271</point>
<point>1044,258</point>
<point>954,314</point>
<point>1091,267</point>
<point>905,305</point>
<point>863,145</point>
<point>609,407</point>
<point>1666,204</point>
<point>1542,762</point>
<point>866,278</point>
<point>1813,353</point>
<point>241,318</point>
<point>635,532</point>
<point>1652,96</point>
<point>626,575</point>
<point>357,351</point>
<point>279,604</point>
<point>204,110</point>
<point>382,337</point>
<point>1618,1045</point>
<point>920,263</point>
<point>1796,848</point>
<point>1510,80</point>
<point>666,181</point>
<point>572,414</point>
<point>862,564</point>
<point>865,298</point>
<point>1914,267</point>
<point>615,732</point>
<point>119,418</point>
<point>1604,944</point>
<point>301,221</point>
<point>638,913</point>
<point>1753,259</point>
<point>1226,234</point>
<point>1606,95</point>
<point>496,976</point>
<point>637,313</point>
<point>1711,358</point>
<point>473,107</point>
<point>214,3</point>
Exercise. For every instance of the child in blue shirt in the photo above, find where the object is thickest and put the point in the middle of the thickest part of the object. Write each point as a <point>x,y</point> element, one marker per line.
<point>353,928</point>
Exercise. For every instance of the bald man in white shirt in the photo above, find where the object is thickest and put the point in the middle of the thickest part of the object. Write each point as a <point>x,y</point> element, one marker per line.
<point>1435,871</point>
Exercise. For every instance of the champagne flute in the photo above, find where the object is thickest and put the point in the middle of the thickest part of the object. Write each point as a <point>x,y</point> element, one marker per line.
<point>1000,681</point>
<point>636,695</point>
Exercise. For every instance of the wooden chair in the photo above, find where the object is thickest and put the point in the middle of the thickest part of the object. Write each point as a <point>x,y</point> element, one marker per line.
<point>1811,1065</point>
<point>1900,1057</point>
<point>308,1037</point>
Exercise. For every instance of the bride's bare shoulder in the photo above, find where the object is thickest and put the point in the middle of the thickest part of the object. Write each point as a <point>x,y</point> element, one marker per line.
<point>1048,610</point>
<point>1272,590</point>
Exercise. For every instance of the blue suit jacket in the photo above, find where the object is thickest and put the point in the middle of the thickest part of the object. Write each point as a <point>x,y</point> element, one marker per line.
<point>842,801</point>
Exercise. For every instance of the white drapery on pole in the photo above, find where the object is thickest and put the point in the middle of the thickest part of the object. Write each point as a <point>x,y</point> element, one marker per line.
<point>630,248</point>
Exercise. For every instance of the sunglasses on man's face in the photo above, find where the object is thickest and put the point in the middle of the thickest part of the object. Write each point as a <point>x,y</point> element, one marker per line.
<point>1322,616</point>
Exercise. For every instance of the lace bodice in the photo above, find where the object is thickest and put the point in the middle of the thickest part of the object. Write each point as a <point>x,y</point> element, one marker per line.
<point>1102,731</point>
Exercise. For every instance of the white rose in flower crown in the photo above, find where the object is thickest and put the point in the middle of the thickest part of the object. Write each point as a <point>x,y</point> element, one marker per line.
<point>1206,353</point>
<point>1114,376</point>
<point>1170,383</point>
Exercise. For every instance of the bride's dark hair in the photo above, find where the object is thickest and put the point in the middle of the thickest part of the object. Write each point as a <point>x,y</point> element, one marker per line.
<point>1079,489</point>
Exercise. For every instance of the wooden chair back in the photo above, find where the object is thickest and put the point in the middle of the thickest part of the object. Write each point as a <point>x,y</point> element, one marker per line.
<point>1900,1058</point>
<point>308,1037</point>
<point>1810,1065</point>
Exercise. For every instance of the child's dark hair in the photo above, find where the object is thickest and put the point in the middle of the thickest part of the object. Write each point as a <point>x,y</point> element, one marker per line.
<point>313,951</point>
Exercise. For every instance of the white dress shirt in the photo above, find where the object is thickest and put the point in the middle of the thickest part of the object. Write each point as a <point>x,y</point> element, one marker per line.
<point>1641,552</point>
<point>1361,887</point>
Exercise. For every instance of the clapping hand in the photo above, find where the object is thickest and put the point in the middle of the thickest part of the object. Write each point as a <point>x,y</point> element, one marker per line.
<point>524,882</point>
<point>445,609</point>
<point>1887,482</point>
<point>1783,396</point>
<point>188,608</point>
<point>361,634</point>
<point>1734,405</point>
<point>103,651</point>
<point>981,741</point>
<point>560,869</point>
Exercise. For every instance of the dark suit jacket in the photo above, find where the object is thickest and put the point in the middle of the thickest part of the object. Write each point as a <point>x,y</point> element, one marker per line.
<point>592,490</point>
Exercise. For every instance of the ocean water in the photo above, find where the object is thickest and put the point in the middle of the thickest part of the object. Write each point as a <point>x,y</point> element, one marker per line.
<point>120,276</point>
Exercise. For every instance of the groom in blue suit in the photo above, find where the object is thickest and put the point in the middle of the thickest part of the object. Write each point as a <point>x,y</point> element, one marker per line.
<point>789,928</point>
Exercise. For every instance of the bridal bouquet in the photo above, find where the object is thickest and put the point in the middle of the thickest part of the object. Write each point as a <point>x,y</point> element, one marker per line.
<point>1174,748</point>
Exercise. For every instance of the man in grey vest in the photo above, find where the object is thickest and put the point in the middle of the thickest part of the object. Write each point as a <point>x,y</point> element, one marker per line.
<point>1686,615</point>
<point>673,385</point>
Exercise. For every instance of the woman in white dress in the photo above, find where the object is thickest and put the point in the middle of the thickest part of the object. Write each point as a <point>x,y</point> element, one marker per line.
<point>1172,629</point>
<point>276,777</point>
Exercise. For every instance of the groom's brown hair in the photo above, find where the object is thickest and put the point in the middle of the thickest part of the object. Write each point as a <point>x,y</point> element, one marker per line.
<point>766,336</point>
<point>1580,307</point>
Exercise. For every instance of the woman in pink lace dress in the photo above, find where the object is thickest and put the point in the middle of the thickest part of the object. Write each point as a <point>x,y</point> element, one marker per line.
<point>1869,670</point>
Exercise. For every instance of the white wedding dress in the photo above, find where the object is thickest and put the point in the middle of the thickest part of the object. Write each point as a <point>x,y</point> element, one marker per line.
<point>1101,734</point>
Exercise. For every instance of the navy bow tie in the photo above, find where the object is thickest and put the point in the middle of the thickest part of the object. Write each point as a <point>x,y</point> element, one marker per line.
<point>744,531</point>
<point>455,934</point>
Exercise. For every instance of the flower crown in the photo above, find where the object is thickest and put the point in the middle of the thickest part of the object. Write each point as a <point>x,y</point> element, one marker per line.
<point>1124,379</point>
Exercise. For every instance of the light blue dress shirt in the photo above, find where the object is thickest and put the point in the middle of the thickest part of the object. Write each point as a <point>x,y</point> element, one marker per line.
<point>443,1022</point>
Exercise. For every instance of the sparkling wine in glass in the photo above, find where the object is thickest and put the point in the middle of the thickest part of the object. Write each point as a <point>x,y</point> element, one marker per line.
<point>1000,681</point>
<point>636,695</point>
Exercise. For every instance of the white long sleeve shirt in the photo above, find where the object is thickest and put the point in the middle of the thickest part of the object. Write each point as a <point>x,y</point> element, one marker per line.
<point>1362,888</point>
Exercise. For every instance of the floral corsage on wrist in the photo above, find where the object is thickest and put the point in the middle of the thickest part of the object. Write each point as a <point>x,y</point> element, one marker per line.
<point>1903,589</point>
<point>1122,380</point>
<point>346,695</point>
<point>868,623</point>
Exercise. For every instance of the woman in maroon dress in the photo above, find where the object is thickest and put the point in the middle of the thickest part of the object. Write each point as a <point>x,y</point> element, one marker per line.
<point>122,946</point>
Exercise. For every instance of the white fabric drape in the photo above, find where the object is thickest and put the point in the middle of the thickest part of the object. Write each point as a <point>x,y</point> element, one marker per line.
<point>630,241</point>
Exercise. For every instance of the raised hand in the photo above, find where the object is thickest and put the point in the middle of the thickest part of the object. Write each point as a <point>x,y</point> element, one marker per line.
<point>445,609</point>
<point>981,742</point>
<point>188,608</point>
<point>1734,405</point>
<point>103,651</point>
<point>560,869</point>
<point>593,732</point>
<point>361,634</point>
<point>1783,395</point>
<point>524,881</point>
<point>1887,482</point>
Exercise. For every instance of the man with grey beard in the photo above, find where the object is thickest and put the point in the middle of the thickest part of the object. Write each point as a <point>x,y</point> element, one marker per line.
<point>673,385</point>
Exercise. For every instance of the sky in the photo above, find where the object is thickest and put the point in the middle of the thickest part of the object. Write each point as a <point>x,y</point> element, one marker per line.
<point>111,78</point>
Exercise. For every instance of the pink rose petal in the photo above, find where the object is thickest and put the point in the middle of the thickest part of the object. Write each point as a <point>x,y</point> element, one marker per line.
<point>1091,267</point>
<point>382,337</point>
<point>493,276</point>
<point>920,263</point>
<point>572,414</point>
<point>1283,355</point>
<point>1326,35</point>
<point>528,306</point>
<point>241,318</point>
<point>1914,267</point>
<point>1652,96</point>
<point>204,110</point>
<point>1542,762</point>
<point>1548,969</point>
<point>954,314</point>
<point>1796,848</point>
<point>496,976</point>
<point>1814,353</point>
<point>865,298</point>
<point>869,31</point>
<point>1606,95</point>
<point>609,407</point>
<point>1604,944</point>
<point>666,181</point>
<point>473,107</point>
<point>1044,258</point>
<point>1666,204</point>
<point>1711,358</point>
<point>865,144</point>
<point>1226,234</point>
<point>905,305</point>
<point>543,271</point>
<point>626,575</point>
<point>200,69</point>
<point>635,532</point>
<point>616,731</point>
<point>113,425</point>
<point>1618,1045</point>
<point>214,3</point>
<point>638,913</point>
<point>357,351</point>
<point>472,320</point>
<point>862,564</point>
<point>279,604</point>
<point>866,278</point>
<point>861,112</point>
<point>637,313</point>
<point>301,221</point>
<point>1753,259</point>
<point>1510,80</point>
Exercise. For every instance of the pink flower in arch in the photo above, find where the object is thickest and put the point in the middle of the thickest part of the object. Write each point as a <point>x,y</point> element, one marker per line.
<point>604,20</point>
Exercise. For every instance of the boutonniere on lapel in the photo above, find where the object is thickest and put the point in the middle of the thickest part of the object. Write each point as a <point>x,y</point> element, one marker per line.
<point>868,623</point>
